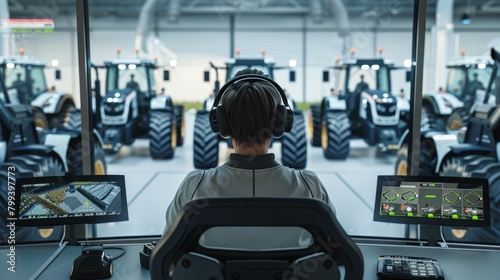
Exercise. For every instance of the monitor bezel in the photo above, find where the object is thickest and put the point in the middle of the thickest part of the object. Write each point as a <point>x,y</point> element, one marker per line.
<point>459,223</point>
<point>49,222</point>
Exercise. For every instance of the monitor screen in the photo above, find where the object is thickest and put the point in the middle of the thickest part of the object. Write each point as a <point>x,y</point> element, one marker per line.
<point>49,201</point>
<point>445,201</point>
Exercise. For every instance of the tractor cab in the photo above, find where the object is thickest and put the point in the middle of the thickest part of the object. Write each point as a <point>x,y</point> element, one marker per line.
<point>364,80</point>
<point>24,75</point>
<point>126,80</point>
<point>263,64</point>
<point>24,78</point>
<point>468,78</point>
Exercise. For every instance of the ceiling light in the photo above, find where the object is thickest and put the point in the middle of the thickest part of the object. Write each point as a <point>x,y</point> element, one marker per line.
<point>465,18</point>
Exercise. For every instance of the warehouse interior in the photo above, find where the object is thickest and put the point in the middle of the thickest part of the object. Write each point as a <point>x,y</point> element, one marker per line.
<point>437,69</point>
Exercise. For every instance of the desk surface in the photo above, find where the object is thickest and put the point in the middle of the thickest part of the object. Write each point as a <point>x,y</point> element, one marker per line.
<point>456,263</point>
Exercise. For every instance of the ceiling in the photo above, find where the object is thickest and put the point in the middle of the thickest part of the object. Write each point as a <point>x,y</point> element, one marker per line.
<point>319,8</point>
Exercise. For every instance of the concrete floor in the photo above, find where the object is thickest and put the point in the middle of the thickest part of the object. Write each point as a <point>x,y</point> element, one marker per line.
<point>151,185</point>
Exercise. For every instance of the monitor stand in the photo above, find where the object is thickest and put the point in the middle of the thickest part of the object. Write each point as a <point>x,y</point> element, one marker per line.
<point>434,236</point>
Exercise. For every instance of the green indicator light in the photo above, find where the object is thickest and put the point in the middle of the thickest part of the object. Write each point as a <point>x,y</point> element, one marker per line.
<point>430,215</point>
<point>392,213</point>
<point>410,214</point>
<point>454,216</point>
<point>430,196</point>
<point>475,218</point>
<point>432,185</point>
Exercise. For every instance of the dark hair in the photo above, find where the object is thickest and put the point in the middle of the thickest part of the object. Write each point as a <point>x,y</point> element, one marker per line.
<point>251,109</point>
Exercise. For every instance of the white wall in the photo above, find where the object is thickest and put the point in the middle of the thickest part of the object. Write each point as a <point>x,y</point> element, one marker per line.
<point>203,38</point>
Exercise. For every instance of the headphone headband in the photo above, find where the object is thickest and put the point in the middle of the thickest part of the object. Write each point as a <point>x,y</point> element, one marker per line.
<point>250,78</point>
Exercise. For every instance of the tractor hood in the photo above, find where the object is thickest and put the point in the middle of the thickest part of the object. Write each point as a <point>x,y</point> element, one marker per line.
<point>380,96</point>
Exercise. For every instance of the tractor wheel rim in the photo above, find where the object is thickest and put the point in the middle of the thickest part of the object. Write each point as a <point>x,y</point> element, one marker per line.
<point>99,168</point>
<point>402,168</point>
<point>324,137</point>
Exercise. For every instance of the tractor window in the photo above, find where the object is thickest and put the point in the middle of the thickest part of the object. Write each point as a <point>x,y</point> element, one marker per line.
<point>15,77</point>
<point>231,71</point>
<point>127,76</point>
<point>38,84</point>
<point>456,81</point>
<point>383,78</point>
<point>478,79</point>
<point>361,79</point>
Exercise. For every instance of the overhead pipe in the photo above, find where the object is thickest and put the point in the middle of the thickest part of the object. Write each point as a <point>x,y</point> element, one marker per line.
<point>146,17</point>
<point>316,11</point>
<point>341,19</point>
<point>174,11</point>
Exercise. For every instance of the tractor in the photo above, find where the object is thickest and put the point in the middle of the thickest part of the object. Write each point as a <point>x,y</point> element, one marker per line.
<point>206,142</point>
<point>476,155</point>
<point>131,108</point>
<point>362,106</point>
<point>449,107</point>
<point>25,80</point>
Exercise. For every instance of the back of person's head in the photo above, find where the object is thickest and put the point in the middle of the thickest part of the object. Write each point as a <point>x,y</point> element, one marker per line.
<point>251,108</point>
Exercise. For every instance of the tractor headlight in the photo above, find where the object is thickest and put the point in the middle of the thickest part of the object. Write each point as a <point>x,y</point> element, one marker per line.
<point>392,109</point>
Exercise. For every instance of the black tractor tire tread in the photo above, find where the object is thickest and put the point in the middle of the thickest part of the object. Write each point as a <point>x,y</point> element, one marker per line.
<point>294,144</point>
<point>74,155</point>
<point>179,124</point>
<point>478,167</point>
<point>205,143</point>
<point>74,120</point>
<point>339,134</point>
<point>316,126</point>
<point>161,124</point>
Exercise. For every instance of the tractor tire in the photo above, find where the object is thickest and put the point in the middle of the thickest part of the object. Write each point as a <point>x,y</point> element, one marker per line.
<point>430,120</point>
<point>402,161</point>
<point>162,134</point>
<point>73,120</point>
<point>335,136</point>
<point>59,119</point>
<point>476,167</point>
<point>294,144</point>
<point>40,118</point>
<point>427,162</point>
<point>179,124</point>
<point>74,157</point>
<point>27,166</point>
<point>315,125</point>
<point>458,119</point>
<point>205,143</point>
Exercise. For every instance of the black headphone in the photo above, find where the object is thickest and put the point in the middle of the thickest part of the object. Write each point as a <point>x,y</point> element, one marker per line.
<point>218,116</point>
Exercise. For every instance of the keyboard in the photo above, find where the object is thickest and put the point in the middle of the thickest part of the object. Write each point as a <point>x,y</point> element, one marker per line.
<point>404,267</point>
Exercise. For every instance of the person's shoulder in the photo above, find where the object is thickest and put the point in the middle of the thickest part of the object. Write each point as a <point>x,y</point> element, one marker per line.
<point>195,174</point>
<point>309,174</point>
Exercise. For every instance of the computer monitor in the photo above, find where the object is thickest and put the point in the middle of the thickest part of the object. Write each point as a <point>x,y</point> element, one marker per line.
<point>443,201</point>
<point>50,201</point>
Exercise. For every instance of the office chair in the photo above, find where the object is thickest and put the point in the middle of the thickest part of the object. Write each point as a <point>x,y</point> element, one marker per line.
<point>331,246</point>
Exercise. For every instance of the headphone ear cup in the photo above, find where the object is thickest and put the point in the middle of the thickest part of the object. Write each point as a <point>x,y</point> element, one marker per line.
<point>222,122</point>
<point>212,119</point>
<point>289,120</point>
<point>280,121</point>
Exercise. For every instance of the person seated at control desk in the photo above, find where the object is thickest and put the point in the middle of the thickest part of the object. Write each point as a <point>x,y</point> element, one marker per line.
<point>250,106</point>
<point>133,84</point>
